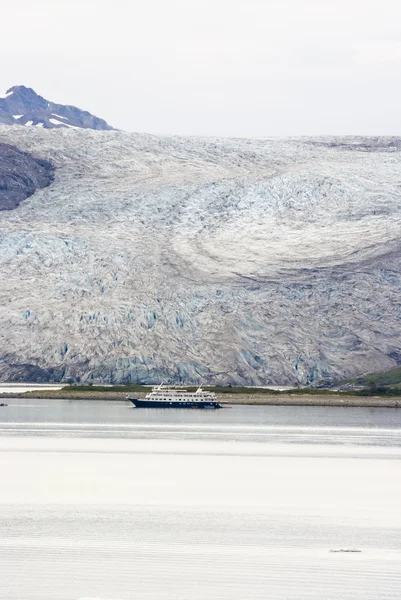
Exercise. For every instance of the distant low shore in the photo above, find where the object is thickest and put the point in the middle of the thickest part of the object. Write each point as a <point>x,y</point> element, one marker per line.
<point>282,399</point>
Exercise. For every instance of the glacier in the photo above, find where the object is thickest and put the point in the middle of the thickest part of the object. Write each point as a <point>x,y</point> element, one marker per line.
<point>242,261</point>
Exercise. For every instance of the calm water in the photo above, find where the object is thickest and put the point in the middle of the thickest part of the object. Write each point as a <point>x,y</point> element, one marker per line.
<point>99,500</point>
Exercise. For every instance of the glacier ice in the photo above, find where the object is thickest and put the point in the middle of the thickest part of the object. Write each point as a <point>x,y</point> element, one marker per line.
<point>200,259</point>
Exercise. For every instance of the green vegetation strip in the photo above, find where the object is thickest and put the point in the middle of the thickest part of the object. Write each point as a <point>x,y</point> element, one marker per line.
<point>384,378</point>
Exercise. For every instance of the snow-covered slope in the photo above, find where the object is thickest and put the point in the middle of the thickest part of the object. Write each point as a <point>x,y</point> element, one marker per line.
<point>150,258</point>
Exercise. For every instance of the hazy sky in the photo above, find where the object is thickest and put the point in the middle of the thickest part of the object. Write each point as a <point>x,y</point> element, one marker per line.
<point>213,67</point>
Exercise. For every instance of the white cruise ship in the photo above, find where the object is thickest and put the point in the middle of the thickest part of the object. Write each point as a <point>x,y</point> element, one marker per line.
<point>172,397</point>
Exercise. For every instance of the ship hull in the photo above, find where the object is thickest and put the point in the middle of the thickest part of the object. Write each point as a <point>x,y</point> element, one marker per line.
<point>157,404</point>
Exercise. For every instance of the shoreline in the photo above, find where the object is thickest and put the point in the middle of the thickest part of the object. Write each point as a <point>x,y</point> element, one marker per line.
<point>229,399</point>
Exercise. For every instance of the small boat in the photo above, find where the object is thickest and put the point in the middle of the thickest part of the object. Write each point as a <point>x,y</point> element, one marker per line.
<point>171,397</point>
<point>3,404</point>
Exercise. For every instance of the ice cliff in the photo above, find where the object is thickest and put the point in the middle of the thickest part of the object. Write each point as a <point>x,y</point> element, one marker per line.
<point>202,260</point>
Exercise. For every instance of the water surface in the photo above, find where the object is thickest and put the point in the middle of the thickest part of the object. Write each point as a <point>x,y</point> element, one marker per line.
<point>101,500</point>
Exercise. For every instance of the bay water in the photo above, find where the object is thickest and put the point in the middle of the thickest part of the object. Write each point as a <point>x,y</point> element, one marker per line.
<point>99,500</point>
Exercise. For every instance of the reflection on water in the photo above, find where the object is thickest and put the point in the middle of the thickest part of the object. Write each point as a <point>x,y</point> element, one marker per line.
<point>278,424</point>
<point>101,500</point>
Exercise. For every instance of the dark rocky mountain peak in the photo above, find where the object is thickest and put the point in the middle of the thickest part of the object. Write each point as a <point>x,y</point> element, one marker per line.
<point>23,106</point>
<point>22,99</point>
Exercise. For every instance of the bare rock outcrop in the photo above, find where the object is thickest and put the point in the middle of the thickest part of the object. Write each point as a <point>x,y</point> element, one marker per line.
<point>21,174</point>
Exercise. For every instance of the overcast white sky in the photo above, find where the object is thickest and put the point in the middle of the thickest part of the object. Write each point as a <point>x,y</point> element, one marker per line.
<point>213,67</point>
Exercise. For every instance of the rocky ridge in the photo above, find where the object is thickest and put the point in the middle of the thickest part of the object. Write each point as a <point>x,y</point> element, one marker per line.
<point>23,106</point>
<point>202,260</point>
<point>21,175</point>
